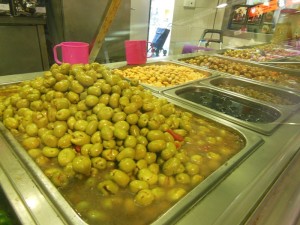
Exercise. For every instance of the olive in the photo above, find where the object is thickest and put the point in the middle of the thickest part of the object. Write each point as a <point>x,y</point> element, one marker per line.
<point>63,114</point>
<point>91,127</point>
<point>106,88</point>
<point>110,154</point>
<point>123,125</point>
<point>60,128</point>
<point>118,116</point>
<point>192,168</point>
<point>93,90</point>
<point>142,140</point>
<point>107,133</point>
<point>196,179</point>
<point>60,179</point>
<point>126,153</point>
<point>82,165</point>
<point>142,163</point>
<point>156,145</point>
<point>114,100</point>
<point>61,103</point>
<point>84,79</point>
<point>140,151</point>
<point>147,175</point>
<point>42,160</point>
<point>120,133</point>
<point>31,142</point>
<point>99,163</point>
<point>64,141</point>
<point>49,140</point>
<point>130,141</point>
<point>36,105</point>
<point>175,194</point>
<point>80,138</point>
<point>50,152</point>
<point>91,100</point>
<point>96,137</point>
<point>11,123</point>
<point>183,178</point>
<point>143,120</point>
<point>96,216</point>
<point>66,156</point>
<point>62,85</point>
<point>132,118</point>
<point>105,113</point>
<point>155,135</point>
<point>108,187</point>
<point>34,152</point>
<point>120,177</point>
<point>144,197</point>
<point>137,185</point>
<point>171,166</point>
<point>104,98</point>
<point>80,125</point>
<point>127,165</point>
<point>95,150</point>
<point>130,108</point>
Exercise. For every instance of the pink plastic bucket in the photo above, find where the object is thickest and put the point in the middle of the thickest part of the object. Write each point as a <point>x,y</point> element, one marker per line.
<point>136,52</point>
<point>72,52</point>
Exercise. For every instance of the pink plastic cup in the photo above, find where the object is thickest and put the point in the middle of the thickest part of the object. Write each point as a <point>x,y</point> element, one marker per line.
<point>72,52</point>
<point>136,52</point>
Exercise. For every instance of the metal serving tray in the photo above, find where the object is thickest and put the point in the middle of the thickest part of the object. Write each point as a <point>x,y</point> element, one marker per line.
<point>251,139</point>
<point>208,73</point>
<point>239,109</point>
<point>244,62</point>
<point>289,99</point>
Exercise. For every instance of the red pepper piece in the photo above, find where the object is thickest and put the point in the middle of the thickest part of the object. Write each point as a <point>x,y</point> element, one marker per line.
<point>176,136</point>
<point>77,148</point>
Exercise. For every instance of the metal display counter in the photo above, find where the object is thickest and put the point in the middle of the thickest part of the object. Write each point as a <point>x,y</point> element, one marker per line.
<point>232,201</point>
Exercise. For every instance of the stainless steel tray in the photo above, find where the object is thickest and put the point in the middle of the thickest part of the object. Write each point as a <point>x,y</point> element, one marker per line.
<point>208,73</point>
<point>239,109</point>
<point>252,141</point>
<point>288,99</point>
<point>293,86</point>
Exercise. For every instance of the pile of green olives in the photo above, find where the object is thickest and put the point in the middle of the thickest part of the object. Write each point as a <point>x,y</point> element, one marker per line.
<point>98,136</point>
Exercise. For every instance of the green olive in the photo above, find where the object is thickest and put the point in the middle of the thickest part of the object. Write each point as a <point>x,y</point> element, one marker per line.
<point>175,194</point>
<point>110,154</point>
<point>34,152</point>
<point>93,90</point>
<point>108,187</point>
<point>91,100</point>
<point>84,79</point>
<point>143,120</point>
<point>96,137</point>
<point>126,153</point>
<point>50,140</point>
<point>105,113</point>
<point>60,128</point>
<point>127,165</point>
<point>107,133</point>
<point>120,133</point>
<point>140,151</point>
<point>147,175</point>
<point>144,197</point>
<point>62,85</point>
<point>99,163</point>
<point>166,181</point>
<point>50,152</point>
<point>170,167</point>
<point>156,145</point>
<point>134,130</point>
<point>82,165</point>
<point>120,177</point>
<point>118,116</point>
<point>155,135</point>
<point>32,129</point>
<point>64,141</point>
<point>130,141</point>
<point>130,108</point>
<point>63,114</point>
<point>11,123</point>
<point>80,125</point>
<point>80,138</point>
<point>31,142</point>
<point>66,156</point>
<point>104,98</point>
<point>137,185</point>
<point>91,127</point>
<point>142,140</point>
<point>123,125</point>
<point>61,103</point>
<point>106,88</point>
<point>114,100</point>
<point>132,118</point>
<point>192,168</point>
<point>95,150</point>
<point>183,178</point>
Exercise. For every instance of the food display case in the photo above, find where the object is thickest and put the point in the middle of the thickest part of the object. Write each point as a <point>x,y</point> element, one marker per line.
<point>243,180</point>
